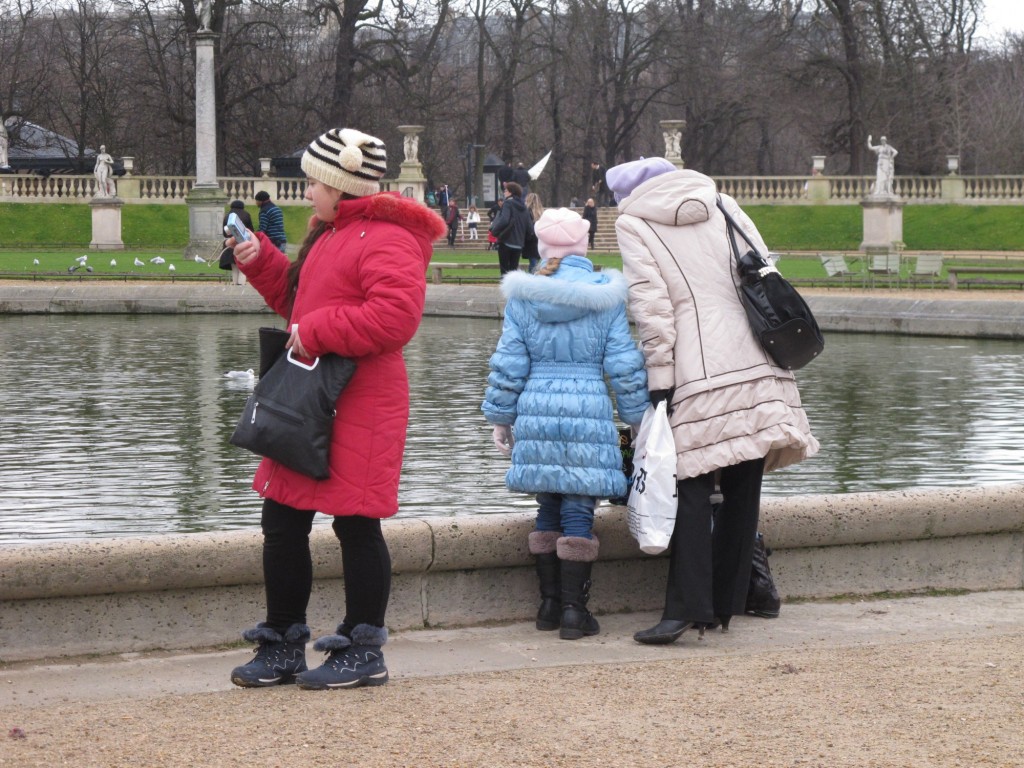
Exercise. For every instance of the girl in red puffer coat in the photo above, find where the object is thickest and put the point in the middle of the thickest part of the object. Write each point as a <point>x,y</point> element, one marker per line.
<point>356,290</point>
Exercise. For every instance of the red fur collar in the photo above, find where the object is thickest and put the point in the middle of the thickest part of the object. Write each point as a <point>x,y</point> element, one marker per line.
<point>392,207</point>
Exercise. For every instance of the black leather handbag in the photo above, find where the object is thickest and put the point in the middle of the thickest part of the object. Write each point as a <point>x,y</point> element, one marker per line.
<point>778,315</point>
<point>289,416</point>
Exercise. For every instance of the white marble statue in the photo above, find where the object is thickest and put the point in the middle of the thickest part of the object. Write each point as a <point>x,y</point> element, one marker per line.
<point>412,142</point>
<point>886,168</point>
<point>672,143</point>
<point>4,144</point>
<point>205,15</point>
<point>104,174</point>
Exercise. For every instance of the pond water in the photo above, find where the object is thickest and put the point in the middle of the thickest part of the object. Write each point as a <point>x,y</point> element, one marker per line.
<point>116,425</point>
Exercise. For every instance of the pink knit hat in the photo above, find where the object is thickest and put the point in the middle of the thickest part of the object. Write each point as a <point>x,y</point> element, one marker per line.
<point>561,232</point>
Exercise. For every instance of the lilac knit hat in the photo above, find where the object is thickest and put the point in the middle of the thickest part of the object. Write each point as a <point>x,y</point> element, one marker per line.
<point>623,179</point>
<point>561,232</point>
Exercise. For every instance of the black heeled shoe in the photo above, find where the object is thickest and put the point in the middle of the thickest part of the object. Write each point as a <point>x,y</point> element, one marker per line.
<point>666,631</point>
<point>720,621</point>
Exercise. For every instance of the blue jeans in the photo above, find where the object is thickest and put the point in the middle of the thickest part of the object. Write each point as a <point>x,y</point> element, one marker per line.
<point>572,515</point>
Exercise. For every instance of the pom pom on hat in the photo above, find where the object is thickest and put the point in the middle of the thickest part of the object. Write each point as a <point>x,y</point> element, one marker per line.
<point>348,160</point>
<point>623,179</point>
<point>561,232</point>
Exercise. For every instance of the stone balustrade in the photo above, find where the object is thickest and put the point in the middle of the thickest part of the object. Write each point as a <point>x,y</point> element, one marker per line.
<point>748,190</point>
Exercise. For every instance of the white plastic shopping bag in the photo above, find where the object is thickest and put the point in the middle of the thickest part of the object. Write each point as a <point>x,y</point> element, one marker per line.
<point>652,494</point>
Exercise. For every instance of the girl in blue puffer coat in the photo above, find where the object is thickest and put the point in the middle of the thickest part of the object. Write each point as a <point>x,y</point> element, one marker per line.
<point>565,330</point>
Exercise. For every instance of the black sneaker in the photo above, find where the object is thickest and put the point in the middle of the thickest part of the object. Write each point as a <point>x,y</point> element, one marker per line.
<point>350,667</point>
<point>278,658</point>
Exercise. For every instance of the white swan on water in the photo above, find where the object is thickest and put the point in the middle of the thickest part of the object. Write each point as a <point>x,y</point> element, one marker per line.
<point>249,374</point>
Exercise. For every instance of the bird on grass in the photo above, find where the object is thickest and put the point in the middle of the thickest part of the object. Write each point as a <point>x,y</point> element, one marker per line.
<point>139,262</point>
<point>170,267</point>
<point>82,259</point>
<point>199,259</point>
<point>156,260</point>
<point>113,262</point>
<point>35,261</point>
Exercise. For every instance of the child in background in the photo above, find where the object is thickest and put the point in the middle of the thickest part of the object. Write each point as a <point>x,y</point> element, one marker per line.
<point>473,221</point>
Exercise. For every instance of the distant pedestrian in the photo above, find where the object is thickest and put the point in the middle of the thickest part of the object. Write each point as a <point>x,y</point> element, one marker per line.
<point>452,217</point>
<point>510,228</point>
<point>271,221</point>
<point>590,215</point>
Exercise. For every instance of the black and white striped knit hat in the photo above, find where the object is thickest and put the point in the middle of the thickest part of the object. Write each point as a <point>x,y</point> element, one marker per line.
<point>348,160</point>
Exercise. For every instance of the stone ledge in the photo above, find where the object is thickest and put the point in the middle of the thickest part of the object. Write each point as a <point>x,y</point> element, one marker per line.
<point>195,590</point>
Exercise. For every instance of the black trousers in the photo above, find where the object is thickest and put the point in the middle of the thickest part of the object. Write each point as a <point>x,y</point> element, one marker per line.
<point>288,566</point>
<point>709,571</point>
<point>508,258</point>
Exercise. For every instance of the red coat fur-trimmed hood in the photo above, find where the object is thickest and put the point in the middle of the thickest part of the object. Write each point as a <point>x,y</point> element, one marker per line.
<point>421,222</point>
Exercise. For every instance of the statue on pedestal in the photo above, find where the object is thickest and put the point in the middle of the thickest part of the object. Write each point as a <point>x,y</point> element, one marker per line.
<point>104,171</point>
<point>886,168</point>
<point>673,140</point>
<point>205,15</point>
<point>412,142</point>
<point>4,144</point>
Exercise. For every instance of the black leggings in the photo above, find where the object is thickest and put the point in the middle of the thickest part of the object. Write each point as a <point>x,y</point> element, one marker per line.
<point>288,566</point>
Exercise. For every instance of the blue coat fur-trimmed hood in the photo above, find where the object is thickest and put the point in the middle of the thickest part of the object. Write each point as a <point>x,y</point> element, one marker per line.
<point>571,292</point>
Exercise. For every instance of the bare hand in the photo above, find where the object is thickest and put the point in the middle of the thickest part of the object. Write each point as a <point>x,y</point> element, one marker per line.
<point>245,252</point>
<point>294,343</point>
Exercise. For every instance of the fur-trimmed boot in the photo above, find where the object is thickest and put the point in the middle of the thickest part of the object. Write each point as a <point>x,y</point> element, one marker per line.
<point>353,659</point>
<point>762,597</point>
<point>577,556</point>
<point>279,658</point>
<point>543,548</point>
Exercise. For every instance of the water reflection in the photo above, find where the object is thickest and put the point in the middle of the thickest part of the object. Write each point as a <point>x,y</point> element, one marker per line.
<point>118,425</point>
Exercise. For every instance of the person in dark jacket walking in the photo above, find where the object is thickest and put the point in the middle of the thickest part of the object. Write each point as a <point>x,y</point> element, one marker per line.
<point>510,227</point>
<point>271,221</point>
<point>356,289</point>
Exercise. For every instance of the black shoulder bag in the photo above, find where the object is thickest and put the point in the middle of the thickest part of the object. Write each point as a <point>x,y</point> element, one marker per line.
<point>778,315</point>
<point>289,416</point>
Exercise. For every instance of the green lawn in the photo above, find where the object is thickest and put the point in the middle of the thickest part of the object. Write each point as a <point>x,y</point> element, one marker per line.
<point>38,225</point>
<point>925,227</point>
<point>56,234</point>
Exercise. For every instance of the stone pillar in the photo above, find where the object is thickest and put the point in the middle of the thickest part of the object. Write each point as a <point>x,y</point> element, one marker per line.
<point>205,201</point>
<point>672,132</point>
<point>953,186</point>
<point>106,224</point>
<point>818,187</point>
<point>883,224</point>
<point>410,182</point>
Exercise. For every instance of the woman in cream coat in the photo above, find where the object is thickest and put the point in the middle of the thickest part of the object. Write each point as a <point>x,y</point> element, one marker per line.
<point>734,414</point>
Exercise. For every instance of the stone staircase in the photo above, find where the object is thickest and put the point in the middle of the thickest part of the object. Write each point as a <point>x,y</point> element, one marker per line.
<point>604,241</point>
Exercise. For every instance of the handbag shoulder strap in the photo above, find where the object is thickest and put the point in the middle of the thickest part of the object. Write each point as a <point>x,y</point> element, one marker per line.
<point>733,228</point>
